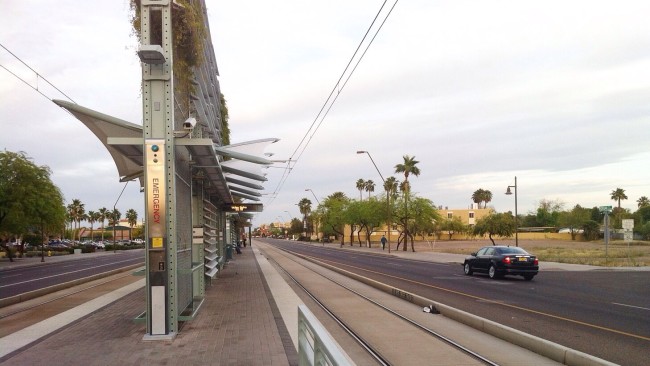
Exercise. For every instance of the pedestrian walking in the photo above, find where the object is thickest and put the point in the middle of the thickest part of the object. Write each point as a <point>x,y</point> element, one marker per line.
<point>383,242</point>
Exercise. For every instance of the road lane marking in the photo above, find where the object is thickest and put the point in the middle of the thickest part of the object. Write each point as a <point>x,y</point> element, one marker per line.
<point>631,306</point>
<point>489,300</point>
<point>61,274</point>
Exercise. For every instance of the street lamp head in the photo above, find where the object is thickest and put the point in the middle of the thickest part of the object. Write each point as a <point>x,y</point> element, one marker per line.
<point>508,192</point>
<point>361,152</point>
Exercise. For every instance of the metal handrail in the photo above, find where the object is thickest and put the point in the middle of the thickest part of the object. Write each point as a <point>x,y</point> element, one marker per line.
<point>315,345</point>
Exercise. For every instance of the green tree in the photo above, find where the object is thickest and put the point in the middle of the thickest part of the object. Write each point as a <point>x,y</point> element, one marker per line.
<point>591,230</point>
<point>643,201</point>
<point>574,220</point>
<point>132,218</point>
<point>407,167</point>
<point>296,226</point>
<point>548,213</point>
<point>498,224</point>
<point>361,185</point>
<point>617,195</point>
<point>424,214</point>
<point>368,214</point>
<point>644,230</point>
<point>28,198</point>
<point>332,214</point>
<point>453,226</point>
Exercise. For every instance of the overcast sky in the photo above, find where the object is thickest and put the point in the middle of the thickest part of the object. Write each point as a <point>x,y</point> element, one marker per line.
<point>556,93</point>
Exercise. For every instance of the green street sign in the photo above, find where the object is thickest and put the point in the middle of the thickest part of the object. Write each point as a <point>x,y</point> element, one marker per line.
<point>605,208</point>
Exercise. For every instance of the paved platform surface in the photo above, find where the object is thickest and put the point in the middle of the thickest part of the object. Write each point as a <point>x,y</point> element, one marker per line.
<point>239,324</point>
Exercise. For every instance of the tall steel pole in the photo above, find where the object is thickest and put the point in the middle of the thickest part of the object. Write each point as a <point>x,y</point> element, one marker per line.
<point>508,192</point>
<point>387,194</point>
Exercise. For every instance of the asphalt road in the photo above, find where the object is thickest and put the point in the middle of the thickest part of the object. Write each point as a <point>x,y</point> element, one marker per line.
<point>602,313</point>
<point>24,279</point>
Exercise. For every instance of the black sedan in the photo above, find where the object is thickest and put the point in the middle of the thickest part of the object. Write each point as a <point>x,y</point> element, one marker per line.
<point>498,261</point>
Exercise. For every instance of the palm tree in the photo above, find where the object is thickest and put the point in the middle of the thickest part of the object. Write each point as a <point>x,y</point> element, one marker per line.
<point>77,212</point>
<point>408,167</point>
<point>477,196</point>
<point>482,195</point>
<point>132,218</point>
<point>487,197</point>
<point>305,208</point>
<point>390,186</point>
<point>617,195</point>
<point>643,201</point>
<point>93,217</point>
<point>361,185</point>
<point>369,187</point>
<point>113,219</point>
<point>103,215</point>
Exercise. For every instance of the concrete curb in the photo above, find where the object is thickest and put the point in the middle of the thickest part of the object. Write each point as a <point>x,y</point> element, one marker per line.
<point>61,286</point>
<point>553,351</point>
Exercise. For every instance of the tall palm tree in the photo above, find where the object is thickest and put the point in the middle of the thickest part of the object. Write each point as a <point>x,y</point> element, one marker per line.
<point>390,186</point>
<point>113,219</point>
<point>408,167</point>
<point>103,215</point>
<point>132,218</point>
<point>617,195</point>
<point>487,197</point>
<point>361,185</point>
<point>93,217</point>
<point>305,208</point>
<point>643,201</point>
<point>77,211</point>
<point>477,196</point>
<point>369,187</point>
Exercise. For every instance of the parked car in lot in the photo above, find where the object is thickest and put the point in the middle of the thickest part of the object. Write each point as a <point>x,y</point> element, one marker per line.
<point>498,261</point>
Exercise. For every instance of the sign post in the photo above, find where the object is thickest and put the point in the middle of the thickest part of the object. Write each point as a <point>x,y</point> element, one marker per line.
<point>606,210</point>
<point>628,232</point>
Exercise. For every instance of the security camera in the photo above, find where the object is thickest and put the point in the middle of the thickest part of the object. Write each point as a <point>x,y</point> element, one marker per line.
<point>189,123</point>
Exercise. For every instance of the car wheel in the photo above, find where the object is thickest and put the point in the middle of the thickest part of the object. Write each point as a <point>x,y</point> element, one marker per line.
<point>528,277</point>
<point>468,269</point>
<point>492,272</point>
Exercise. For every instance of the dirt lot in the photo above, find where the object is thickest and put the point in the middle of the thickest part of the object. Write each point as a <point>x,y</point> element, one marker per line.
<point>616,254</point>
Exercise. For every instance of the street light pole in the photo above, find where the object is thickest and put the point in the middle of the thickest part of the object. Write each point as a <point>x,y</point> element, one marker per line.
<point>113,215</point>
<point>312,192</point>
<point>387,194</point>
<point>316,198</point>
<point>508,192</point>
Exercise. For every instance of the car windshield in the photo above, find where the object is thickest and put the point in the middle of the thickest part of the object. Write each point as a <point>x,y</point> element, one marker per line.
<point>512,250</point>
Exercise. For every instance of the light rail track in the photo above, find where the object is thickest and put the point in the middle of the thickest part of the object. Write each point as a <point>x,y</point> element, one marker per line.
<point>364,343</point>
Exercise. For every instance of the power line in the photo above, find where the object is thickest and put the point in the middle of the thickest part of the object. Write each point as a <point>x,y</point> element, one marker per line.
<point>306,140</point>
<point>38,76</point>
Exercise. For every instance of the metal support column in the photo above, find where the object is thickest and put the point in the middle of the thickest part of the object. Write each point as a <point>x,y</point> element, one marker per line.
<point>159,153</point>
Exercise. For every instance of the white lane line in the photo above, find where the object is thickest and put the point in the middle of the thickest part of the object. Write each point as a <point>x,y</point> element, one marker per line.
<point>631,306</point>
<point>65,273</point>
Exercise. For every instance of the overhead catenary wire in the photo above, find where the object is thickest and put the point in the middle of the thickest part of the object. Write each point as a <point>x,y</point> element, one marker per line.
<point>38,76</point>
<point>325,109</point>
